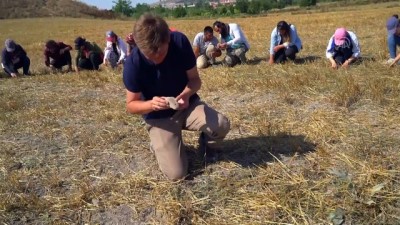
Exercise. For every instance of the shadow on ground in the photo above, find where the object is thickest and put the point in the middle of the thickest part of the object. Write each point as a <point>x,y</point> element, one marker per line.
<point>255,151</point>
<point>256,60</point>
<point>306,59</point>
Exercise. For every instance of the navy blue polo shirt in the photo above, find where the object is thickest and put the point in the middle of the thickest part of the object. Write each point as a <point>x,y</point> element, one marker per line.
<point>166,79</point>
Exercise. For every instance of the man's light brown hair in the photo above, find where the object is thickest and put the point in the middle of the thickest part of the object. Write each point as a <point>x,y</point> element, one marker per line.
<point>150,33</point>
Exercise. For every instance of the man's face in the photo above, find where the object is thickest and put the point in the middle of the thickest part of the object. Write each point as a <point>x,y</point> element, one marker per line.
<point>158,56</point>
<point>208,36</point>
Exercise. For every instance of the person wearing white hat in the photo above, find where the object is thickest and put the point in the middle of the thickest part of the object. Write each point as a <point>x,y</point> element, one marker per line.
<point>14,57</point>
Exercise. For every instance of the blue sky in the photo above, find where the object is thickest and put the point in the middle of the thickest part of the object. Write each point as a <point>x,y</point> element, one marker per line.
<point>108,4</point>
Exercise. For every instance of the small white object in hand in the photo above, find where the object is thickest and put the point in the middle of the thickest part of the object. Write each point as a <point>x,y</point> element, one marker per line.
<point>172,103</point>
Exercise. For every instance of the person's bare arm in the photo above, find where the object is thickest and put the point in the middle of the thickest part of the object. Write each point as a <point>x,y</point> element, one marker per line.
<point>191,88</point>
<point>135,104</point>
<point>196,51</point>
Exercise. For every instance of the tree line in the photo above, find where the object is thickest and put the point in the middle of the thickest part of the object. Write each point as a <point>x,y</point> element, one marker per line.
<point>202,8</point>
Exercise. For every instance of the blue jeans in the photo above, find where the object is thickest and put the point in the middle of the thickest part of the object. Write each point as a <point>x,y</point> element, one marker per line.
<point>393,41</point>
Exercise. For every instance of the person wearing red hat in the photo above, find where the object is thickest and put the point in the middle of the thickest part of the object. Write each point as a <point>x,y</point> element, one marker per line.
<point>343,48</point>
<point>115,51</point>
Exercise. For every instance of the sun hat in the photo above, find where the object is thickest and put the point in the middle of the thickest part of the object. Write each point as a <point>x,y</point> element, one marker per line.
<point>110,35</point>
<point>340,36</point>
<point>10,45</point>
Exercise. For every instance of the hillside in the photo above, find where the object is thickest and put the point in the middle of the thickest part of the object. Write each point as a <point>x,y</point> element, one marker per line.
<point>50,8</point>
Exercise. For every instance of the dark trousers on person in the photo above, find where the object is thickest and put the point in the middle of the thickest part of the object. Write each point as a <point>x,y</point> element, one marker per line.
<point>91,63</point>
<point>64,60</point>
<point>24,62</point>
<point>284,53</point>
<point>342,54</point>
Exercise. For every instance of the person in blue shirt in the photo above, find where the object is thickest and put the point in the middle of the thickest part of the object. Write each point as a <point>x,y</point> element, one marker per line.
<point>393,38</point>
<point>14,57</point>
<point>285,43</point>
<point>161,80</point>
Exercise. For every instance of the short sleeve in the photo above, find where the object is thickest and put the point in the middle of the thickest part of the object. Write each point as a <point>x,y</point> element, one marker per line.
<point>196,41</point>
<point>188,57</point>
<point>131,74</point>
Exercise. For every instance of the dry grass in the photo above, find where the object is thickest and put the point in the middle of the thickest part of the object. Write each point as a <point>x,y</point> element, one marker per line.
<point>308,145</point>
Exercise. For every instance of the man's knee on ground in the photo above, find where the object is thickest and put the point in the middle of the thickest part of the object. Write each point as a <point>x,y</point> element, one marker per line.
<point>231,60</point>
<point>175,174</point>
<point>202,62</point>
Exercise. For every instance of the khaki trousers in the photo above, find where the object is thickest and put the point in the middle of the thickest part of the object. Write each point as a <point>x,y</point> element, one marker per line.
<point>166,135</point>
<point>203,60</point>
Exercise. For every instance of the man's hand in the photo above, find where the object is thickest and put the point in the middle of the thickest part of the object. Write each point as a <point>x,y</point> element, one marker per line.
<point>183,101</point>
<point>159,103</point>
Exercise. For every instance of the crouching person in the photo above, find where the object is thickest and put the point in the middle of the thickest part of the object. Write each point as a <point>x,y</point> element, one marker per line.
<point>57,55</point>
<point>13,57</point>
<point>285,43</point>
<point>115,51</point>
<point>205,48</point>
<point>89,57</point>
<point>233,41</point>
<point>343,48</point>
<point>162,81</point>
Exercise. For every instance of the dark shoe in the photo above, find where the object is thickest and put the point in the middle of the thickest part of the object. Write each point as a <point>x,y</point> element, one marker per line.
<point>209,155</point>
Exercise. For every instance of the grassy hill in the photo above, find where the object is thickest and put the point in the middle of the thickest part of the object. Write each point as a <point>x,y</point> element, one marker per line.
<point>50,8</point>
<point>309,145</point>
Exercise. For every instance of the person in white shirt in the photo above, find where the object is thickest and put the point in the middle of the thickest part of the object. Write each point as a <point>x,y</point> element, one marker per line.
<point>205,48</point>
<point>115,51</point>
<point>343,48</point>
<point>233,41</point>
<point>285,43</point>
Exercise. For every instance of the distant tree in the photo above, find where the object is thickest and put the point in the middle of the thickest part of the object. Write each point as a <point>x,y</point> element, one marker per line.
<point>123,7</point>
<point>305,3</point>
<point>254,7</point>
<point>242,5</point>
<point>179,12</point>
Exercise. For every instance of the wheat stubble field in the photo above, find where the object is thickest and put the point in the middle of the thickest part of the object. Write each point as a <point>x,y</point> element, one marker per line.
<point>308,145</point>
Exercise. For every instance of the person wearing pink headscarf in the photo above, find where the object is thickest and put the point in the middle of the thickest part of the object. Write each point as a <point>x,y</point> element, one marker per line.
<point>343,48</point>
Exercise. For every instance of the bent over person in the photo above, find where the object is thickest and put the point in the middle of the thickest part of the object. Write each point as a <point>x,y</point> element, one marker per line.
<point>162,81</point>
<point>343,48</point>
<point>285,43</point>
<point>115,51</point>
<point>14,57</point>
<point>89,56</point>
<point>233,41</point>
<point>205,48</point>
<point>57,55</point>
